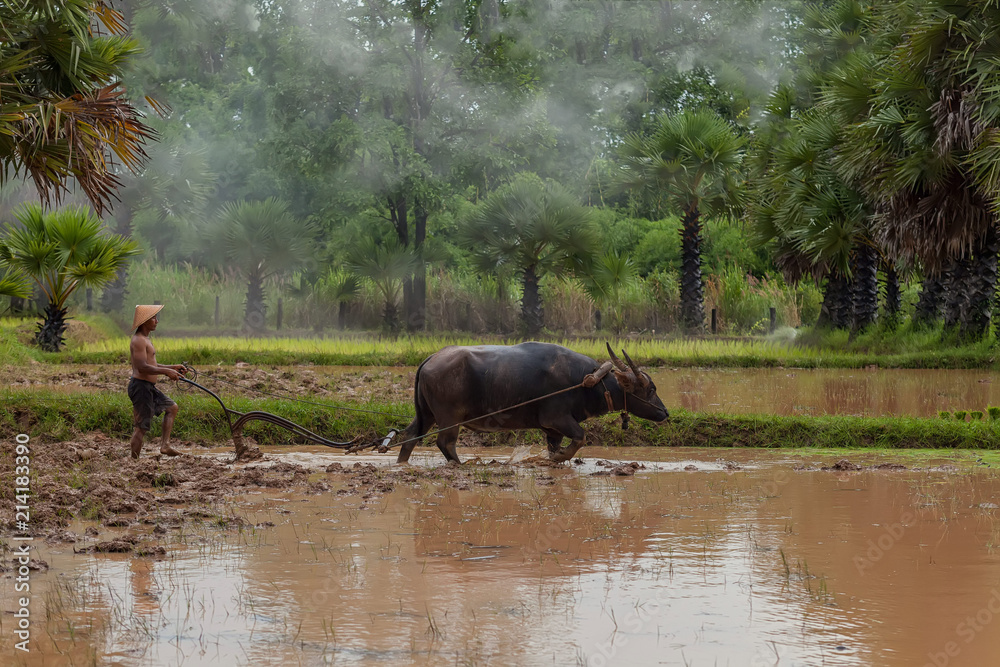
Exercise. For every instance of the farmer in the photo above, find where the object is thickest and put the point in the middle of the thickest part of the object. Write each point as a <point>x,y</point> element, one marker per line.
<point>147,400</point>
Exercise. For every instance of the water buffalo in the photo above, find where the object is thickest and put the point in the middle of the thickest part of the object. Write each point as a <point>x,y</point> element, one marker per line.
<point>462,383</point>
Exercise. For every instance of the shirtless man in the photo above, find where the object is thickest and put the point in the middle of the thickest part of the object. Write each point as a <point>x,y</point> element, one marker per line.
<point>147,400</point>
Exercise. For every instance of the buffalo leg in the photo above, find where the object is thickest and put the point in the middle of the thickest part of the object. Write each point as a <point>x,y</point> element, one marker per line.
<point>446,443</point>
<point>571,430</point>
<point>414,433</point>
<point>567,452</point>
<point>554,440</point>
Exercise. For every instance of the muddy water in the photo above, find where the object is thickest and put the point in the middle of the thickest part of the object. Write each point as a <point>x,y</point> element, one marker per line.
<point>870,393</point>
<point>685,562</point>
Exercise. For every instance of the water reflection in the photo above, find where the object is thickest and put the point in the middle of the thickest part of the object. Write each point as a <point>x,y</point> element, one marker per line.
<point>758,566</point>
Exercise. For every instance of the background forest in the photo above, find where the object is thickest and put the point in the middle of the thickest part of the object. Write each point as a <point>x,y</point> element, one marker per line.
<point>524,166</point>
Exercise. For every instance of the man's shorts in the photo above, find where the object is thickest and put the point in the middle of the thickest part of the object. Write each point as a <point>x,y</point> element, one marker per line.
<point>148,402</point>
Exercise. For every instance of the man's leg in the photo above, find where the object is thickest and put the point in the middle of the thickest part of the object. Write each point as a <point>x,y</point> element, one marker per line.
<point>168,424</point>
<point>137,435</point>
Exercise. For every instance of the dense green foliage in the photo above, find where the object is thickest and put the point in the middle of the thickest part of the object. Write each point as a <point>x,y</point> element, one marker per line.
<point>847,144</point>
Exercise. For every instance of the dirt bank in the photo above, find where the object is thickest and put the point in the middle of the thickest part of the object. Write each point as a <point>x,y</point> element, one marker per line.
<point>323,382</point>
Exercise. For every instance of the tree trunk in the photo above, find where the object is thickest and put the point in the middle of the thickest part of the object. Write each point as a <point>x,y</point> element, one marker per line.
<point>532,314</point>
<point>342,315</point>
<point>981,287</point>
<point>692,290</point>
<point>836,296</point>
<point>955,279</point>
<point>390,318</point>
<point>928,308</point>
<point>416,314</point>
<point>865,287</point>
<point>49,336</point>
<point>255,318</point>
<point>893,296</point>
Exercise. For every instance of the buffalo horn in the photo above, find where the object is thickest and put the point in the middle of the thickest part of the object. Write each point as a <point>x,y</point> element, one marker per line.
<point>617,362</point>
<point>635,369</point>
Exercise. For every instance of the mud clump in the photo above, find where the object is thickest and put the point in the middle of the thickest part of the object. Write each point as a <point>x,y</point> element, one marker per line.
<point>847,465</point>
<point>112,488</point>
<point>121,545</point>
<point>617,469</point>
<point>842,465</point>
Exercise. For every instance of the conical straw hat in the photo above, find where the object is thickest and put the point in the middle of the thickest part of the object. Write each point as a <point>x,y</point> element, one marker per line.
<point>143,314</point>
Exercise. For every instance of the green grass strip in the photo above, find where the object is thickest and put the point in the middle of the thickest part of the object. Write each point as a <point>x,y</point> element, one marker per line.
<point>412,351</point>
<point>54,416</point>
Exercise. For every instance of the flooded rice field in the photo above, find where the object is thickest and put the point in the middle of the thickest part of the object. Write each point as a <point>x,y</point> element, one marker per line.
<point>630,556</point>
<point>828,391</point>
<point>776,391</point>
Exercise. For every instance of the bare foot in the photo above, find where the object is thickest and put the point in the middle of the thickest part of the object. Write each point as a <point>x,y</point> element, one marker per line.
<point>167,450</point>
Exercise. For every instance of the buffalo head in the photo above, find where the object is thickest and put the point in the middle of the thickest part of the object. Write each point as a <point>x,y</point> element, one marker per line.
<point>641,399</point>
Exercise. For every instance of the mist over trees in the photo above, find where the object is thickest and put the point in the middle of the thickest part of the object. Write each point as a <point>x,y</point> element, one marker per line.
<point>862,140</point>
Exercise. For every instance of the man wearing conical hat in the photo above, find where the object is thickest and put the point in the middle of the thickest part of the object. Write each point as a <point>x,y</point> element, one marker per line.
<point>147,400</point>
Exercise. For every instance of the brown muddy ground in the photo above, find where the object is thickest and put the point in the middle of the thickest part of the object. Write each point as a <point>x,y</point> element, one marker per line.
<point>91,477</point>
<point>353,383</point>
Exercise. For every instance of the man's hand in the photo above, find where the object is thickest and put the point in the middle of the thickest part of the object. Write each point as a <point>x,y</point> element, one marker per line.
<point>180,368</point>
<point>171,373</point>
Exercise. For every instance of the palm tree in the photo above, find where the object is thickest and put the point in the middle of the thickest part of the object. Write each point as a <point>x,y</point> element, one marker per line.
<point>817,220</point>
<point>262,240</point>
<point>12,283</point>
<point>387,265</point>
<point>63,115</point>
<point>61,251</point>
<point>339,287</point>
<point>923,150</point>
<point>535,229</point>
<point>605,279</point>
<point>693,161</point>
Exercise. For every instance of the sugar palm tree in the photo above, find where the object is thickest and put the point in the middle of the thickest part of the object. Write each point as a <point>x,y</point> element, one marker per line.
<point>261,240</point>
<point>534,229</point>
<point>60,252</point>
<point>64,115</point>
<point>339,287</point>
<point>605,278</point>
<point>12,283</point>
<point>386,264</point>
<point>923,151</point>
<point>817,220</point>
<point>692,161</point>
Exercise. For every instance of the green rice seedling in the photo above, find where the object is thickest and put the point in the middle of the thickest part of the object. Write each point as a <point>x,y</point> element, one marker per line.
<point>977,415</point>
<point>944,414</point>
<point>960,415</point>
<point>994,412</point>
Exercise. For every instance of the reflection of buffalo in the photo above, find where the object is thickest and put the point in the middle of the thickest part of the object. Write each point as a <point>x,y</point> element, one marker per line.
<point>458,384</point>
